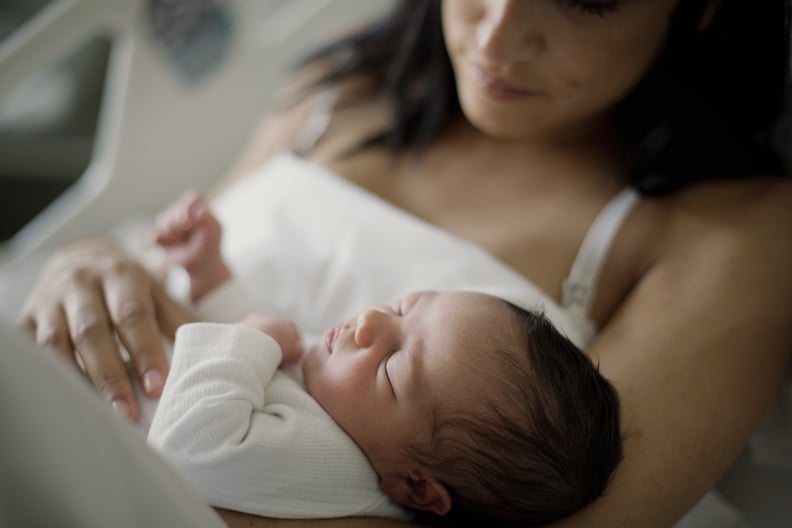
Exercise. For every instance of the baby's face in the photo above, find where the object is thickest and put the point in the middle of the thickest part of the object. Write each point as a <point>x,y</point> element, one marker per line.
<point>379,373</point>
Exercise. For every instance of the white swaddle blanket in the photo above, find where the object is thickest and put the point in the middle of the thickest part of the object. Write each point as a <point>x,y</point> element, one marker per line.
<point>324,249</point>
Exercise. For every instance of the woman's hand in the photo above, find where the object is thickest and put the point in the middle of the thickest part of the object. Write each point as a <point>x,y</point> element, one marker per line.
<point>89,297</point>
<point>283,331</point>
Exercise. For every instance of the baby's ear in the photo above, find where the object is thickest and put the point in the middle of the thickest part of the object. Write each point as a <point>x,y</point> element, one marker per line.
<point>417,490</point>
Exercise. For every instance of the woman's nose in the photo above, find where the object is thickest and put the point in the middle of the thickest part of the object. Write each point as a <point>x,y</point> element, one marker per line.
<point>507,32</point>
<point>375,326</point>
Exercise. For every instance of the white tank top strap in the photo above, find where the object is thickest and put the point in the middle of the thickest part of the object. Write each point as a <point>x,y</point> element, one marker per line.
<point>317,123</point>
<point>579,287</point>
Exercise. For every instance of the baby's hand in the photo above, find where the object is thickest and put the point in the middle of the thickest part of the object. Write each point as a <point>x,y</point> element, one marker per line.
<point>284,331</point>
<point>190,236</point>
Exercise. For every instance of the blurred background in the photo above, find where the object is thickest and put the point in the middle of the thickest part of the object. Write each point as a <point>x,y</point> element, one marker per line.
<point>47,124</point>
<point>110,108</point>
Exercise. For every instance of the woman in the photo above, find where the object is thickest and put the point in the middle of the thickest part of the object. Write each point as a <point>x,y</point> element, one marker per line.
<point>527,118</point>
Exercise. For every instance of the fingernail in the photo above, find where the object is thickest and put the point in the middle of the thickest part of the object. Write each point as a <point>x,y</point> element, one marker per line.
<point>121,407</point>
<point>152,382</point>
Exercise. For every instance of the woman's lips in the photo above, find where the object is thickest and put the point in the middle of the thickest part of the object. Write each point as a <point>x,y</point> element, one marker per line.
<point>497,88</point>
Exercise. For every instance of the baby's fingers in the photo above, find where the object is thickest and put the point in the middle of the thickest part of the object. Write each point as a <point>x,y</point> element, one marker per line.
<point>176,223</point>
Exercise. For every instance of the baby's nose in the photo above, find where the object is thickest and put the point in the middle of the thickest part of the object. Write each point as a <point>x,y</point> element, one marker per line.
<point>372,325</point>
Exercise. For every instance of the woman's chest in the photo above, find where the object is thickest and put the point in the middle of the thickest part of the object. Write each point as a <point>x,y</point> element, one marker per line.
<point>321,247</point>
<point>532,222</point>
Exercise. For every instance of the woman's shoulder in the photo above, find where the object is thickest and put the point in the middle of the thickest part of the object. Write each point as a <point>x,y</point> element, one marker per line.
<point>748,222</point>
<point>714,213</point>
<point>763,202</point>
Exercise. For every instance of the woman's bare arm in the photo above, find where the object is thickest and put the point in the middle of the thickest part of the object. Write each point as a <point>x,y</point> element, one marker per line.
<point>697,351</point>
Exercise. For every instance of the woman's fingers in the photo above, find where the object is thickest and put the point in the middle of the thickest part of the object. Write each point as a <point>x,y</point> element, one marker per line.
<point>49,331</point>
<point>88,297</point>
<point>128,297</point>
<point>52,332</point>
<point>94,339</point>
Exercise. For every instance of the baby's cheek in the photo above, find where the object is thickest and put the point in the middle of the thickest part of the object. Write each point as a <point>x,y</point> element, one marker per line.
<point>333,392</point>
<point>318,380</point>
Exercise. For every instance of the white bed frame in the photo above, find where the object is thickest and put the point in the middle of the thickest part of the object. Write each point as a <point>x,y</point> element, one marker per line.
<point>159,133</point>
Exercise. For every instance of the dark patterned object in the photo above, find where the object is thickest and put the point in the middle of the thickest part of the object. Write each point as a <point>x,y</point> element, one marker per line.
<point>196,34</point>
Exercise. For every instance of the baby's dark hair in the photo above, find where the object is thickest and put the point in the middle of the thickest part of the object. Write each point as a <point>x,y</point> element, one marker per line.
<point>542,444</point>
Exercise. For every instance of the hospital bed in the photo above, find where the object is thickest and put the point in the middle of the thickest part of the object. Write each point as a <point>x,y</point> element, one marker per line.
<point>166,121</point>
<point>172,117</point>
<point>177,102</point>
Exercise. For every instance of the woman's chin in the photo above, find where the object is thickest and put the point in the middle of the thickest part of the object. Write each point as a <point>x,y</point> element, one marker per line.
<point>500,124</point>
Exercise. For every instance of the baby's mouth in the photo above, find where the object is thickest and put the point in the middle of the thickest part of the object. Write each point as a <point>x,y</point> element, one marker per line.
<point>330,338</point>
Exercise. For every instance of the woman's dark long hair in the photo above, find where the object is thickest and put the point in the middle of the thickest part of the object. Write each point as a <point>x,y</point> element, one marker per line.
<point>709,107</point>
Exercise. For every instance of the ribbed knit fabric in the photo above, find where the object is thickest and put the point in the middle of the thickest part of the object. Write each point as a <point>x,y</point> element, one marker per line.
<point>248,437</point>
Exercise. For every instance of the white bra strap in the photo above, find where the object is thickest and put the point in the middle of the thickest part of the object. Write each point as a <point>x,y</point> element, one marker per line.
<point>579,287</point>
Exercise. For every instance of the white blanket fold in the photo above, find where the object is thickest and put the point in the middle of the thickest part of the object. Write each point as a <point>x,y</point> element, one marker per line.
<point>325,248</point>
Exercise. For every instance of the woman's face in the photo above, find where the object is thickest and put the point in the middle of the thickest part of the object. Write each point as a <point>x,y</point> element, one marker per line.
<point>527,68</point>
